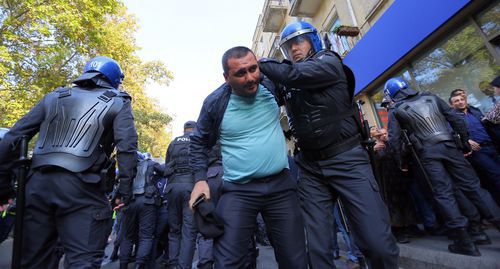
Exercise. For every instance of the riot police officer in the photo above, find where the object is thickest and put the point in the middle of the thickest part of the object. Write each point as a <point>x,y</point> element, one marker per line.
<point>427,118</point>
<point>182,234</point>
<point>78,128</point>
<point>322,116</point>
<point>139,219</point>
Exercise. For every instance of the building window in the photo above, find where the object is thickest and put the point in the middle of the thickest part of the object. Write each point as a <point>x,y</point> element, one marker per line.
<point>460,61</point>
<point>338,43</point>
<point>489,20</point>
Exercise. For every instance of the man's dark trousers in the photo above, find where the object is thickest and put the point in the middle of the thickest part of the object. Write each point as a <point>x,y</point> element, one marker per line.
<point>486,161</point>
<point>348,175</point>
<point>446,168</point>
<point>138,225</point>
<point>276,198</point>
<point>60,204</point>
<point>182,234</point>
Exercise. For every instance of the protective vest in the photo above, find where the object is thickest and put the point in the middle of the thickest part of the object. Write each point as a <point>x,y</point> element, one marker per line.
<point>180,154</point>
<point>76,123</point>
<point>424,119</point>
<point>143,177</point>
<point>311,115</point>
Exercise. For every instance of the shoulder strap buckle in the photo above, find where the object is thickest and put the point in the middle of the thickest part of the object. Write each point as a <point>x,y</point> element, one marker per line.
<point>107,96</point>
<point>64,92</point>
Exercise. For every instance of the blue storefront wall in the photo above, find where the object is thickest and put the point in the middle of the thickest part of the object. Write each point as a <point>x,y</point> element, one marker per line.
<point>402,27</point>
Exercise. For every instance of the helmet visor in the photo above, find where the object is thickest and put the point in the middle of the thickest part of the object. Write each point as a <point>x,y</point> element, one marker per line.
<point>286,47</point>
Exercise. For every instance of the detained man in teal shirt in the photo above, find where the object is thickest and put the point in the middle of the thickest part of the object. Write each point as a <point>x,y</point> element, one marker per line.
<point>244,114</point>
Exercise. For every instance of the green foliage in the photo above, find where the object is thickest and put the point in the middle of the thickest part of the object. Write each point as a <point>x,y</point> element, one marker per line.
<point>44,44</point>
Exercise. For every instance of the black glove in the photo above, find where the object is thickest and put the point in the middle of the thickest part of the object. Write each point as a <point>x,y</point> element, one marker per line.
<point>6,188</point>
<point>466,147</point>
<point>124,199</point>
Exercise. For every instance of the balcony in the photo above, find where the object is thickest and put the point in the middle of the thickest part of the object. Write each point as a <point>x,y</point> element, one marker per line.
<point>304,8</point>
<point>274,14</point>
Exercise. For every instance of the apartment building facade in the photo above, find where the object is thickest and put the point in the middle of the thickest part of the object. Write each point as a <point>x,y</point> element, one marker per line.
<point>437,46</point>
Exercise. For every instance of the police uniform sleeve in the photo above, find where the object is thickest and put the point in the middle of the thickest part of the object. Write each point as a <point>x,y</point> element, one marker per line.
<point>125,136</point>
<point>312,74</point>
<point>199,145</point>
<point>28,125</point>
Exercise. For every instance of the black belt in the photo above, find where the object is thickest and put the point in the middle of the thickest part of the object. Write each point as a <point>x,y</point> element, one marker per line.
<point>332,150</point>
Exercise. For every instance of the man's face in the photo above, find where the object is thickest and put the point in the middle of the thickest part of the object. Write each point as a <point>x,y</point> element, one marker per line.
<point>497,90</point>
<point>459,102</point>
<point>488,91</point>
<point>243,75</point>
<point>383,134</point>
<point>299,49</point>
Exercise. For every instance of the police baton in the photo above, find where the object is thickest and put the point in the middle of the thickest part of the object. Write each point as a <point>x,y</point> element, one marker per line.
<point>414,154</point>
<point>21,185</point>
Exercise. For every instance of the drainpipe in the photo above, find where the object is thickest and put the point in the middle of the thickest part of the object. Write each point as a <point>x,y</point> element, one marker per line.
<point>351,11</point>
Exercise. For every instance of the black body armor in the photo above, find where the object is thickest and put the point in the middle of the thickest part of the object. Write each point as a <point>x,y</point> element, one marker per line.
<point>424,120</point>
<point>75,127</point>
<point>180,154</point>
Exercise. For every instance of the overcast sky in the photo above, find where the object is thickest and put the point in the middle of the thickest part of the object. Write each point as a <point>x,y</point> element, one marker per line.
<point>190,38</point>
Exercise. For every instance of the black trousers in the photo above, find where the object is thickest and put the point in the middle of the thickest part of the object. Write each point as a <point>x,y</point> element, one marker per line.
<point>275,197</point>
<point>349,176</point>
<point>138,226</point>
<point>447,167</point>
<point>60,205</point>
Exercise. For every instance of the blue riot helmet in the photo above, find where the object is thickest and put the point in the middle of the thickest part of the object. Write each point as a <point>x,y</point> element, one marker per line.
<point>297,32</point>
<point>394,85</point>
<point>147,155</point>
<point>106,66</point>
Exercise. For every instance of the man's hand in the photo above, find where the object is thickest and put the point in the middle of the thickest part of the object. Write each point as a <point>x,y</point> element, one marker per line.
<point>6,206</point>
<point>379,145</point>
<point>123,201</point>
<point>201,187</point>
<point>475,146</point>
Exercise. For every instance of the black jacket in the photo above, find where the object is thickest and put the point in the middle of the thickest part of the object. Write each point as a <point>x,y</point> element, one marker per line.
<point>208,126</point>
<point>323,78</point>
<point>394,125</point>
<point>123,130</point>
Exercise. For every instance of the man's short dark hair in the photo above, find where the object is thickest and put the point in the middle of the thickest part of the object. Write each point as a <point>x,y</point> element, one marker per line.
<point>495,82</point>
<point>453,95</point>
<point>456,92</point>
<point>236,52</point>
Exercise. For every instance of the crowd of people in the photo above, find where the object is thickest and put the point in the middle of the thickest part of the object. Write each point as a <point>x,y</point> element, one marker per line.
<point>229,177</point>
<point>409,188</point>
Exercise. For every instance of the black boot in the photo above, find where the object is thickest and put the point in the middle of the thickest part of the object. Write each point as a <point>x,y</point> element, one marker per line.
<point>477,234</point>
<point>462,243</point>
<point>123,265</point>
<point>114,254</point>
